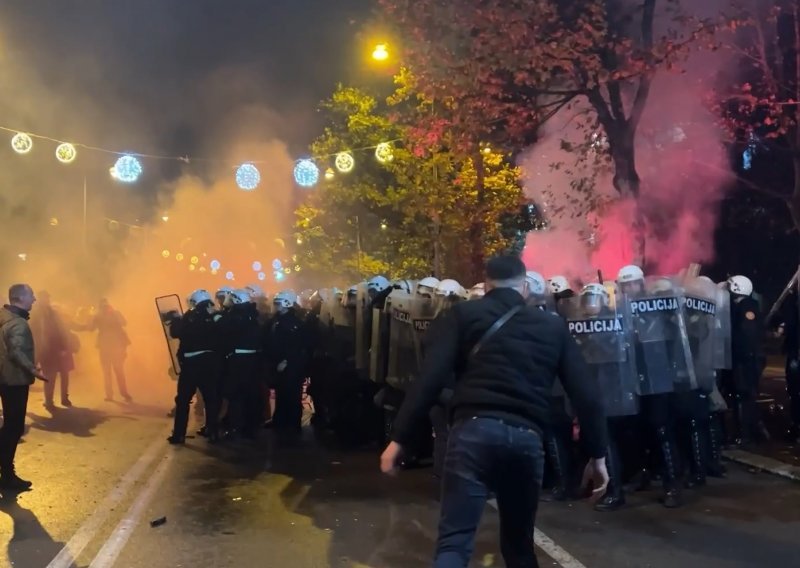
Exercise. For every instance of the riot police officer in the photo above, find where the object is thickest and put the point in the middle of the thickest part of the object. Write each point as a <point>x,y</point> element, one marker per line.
<point>746,348</point>
<point>663,360</point>
<point>199,356</point>
<point>559,288</point>
<point>603,336</point>
<point>241,385</point>
<point>286,354</point>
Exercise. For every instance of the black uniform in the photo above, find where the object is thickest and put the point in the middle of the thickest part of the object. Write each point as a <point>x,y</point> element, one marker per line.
<point>199,356</point>
<point>284,339</point>
<point>241,385</point>
<point>741,385</point>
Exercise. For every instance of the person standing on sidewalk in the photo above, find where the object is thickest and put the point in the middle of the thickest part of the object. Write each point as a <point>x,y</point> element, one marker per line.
<point>505,356</point>
<point>17,373</point>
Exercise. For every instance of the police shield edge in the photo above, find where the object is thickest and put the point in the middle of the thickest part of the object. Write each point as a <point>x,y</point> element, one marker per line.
<point>653,309</point>
<point>604,339</point>
<point>700,314</point>
<point>363,328</point>
<point>167,305</point>
<point>723,357</point>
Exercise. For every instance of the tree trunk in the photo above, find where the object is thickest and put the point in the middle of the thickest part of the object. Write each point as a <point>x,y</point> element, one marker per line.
<point>628,183</point>
<point>476,228</point>
<point>436,230</point>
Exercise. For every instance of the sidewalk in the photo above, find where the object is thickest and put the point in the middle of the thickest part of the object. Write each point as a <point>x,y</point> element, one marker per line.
<point>777,456</point>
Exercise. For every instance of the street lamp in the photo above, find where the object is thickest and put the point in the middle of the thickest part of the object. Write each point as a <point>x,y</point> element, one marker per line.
<point>380,53</point>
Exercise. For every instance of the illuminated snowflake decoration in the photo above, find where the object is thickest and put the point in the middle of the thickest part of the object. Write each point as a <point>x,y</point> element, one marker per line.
<point>344,162</point>
<point>306,173</point>
<point>22,143</point>
<point>127,169</point>
<point>248,177</point>
<point>66,153</point>
<point>384,152</point>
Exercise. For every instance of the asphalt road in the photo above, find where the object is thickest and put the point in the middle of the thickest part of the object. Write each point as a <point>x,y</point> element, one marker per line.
<point>101,476</point>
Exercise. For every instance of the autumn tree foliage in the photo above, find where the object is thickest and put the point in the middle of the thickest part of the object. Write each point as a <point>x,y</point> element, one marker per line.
<point>407,217</point>
<point>762,109</point>
<point>502,68</point>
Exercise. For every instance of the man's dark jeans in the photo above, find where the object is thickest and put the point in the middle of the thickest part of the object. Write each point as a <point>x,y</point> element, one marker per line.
<point>487,455</point>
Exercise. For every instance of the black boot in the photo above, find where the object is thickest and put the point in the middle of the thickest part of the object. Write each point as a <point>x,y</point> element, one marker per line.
<point>672,492</point>
<point>698,437</point>
<point>715,467</point>
<point>560,490</point>
<point>10,481</point>
<point>615,496</point>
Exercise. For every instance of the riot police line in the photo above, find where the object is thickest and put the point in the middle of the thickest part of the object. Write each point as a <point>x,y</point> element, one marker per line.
<point>657,346</point>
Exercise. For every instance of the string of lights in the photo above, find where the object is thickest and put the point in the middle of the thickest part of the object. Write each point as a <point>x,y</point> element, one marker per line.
<point>128,166</point>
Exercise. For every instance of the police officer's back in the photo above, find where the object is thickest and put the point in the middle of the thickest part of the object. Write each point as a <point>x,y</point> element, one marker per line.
<point>199,355</point>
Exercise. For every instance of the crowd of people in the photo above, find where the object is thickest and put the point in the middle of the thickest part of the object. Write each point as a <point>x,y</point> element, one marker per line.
<point>521,373</point>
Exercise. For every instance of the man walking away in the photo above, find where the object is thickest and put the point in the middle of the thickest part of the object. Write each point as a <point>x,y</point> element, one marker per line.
<point>17,373</point>
<point>505,356</point>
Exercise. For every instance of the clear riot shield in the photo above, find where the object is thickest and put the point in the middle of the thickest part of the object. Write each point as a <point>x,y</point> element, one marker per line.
<point>444,303</point>
<point>404,351</point>
<point>343,333</point>
<point>379,344</point>
<point>654,314</point>
<point>604,339</point>
<point>363,327</point>
<point>723,357</point>
<point>544,302</point>
<point>168,307</point>
<point>700,314</point>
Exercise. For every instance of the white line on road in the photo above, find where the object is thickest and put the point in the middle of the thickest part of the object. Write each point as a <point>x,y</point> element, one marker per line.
<point>84,535</point>
<point>119,538</point>
<point>561,556</point>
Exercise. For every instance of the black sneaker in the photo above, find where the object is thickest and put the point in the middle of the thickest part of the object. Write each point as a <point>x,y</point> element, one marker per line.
<point>176,440</point>
<point>11,481</point>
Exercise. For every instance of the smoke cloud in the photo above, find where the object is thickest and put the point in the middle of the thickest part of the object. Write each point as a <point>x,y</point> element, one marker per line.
<point>121,248</point>
<point>684,169</point>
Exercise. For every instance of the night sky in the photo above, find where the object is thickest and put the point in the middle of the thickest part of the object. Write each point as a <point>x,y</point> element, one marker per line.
<point>171,73</point>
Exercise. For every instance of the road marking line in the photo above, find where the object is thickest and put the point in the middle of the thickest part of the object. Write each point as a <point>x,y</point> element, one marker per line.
<point>764,463</point>
<point>87,531</point>
<point>561,556</point>
<point>119,538</point>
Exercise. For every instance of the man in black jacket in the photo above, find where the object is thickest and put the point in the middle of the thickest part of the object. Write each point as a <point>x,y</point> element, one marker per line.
<point>498,411</point>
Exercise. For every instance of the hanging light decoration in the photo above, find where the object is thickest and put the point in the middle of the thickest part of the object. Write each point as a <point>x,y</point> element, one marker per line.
<point>127,169</point>
<point>248,177</point>
<point>261,276</point>
<point>344,162</point>
<point>215,265</point>
<point>306,173</point>
<point>22,143</point>
<point>194,260</point>
<point>179,257</point>
<point>256,266</point>
<point>384,152</point>
<point>329,174</point>
<point>165,253</point>
<point>229,275</point>
<point>66,153</point>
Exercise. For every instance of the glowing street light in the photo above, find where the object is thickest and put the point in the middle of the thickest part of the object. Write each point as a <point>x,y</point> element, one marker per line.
<point>380,53</point>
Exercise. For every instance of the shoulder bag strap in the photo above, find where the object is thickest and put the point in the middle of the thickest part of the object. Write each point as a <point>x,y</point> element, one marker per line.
<point>495,328</point>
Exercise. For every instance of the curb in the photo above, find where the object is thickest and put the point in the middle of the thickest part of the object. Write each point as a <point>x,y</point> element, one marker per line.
<point>764,463</point>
